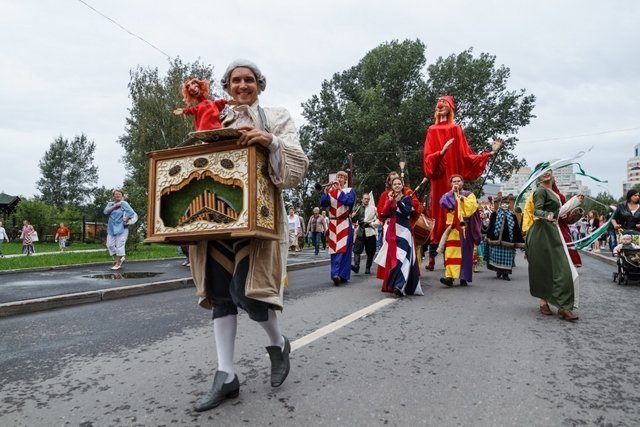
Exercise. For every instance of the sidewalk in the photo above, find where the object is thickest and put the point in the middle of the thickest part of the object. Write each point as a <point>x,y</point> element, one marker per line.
<point>28,291</point>
<point>604,255</point>
<point>55,252</point>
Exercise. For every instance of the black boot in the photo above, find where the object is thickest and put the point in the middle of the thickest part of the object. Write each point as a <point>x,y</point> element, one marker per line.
<point>219,392</point>
<point>279,362</point>
<point>463,282</point>
<point>336,281</point>
<point>356,264</point>
<point>369,264</point>
<point>448,281</point>
<point>505,276</point>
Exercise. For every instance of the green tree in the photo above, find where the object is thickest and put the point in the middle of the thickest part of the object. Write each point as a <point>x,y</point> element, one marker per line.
<point>151,124</point>
<point>72,218</point>
<point>379,110</point>
<point>600,203</point>
<point>94,211</point>
<point>484,106</point>
<point>375,110</point>
<point>68,171</point>
<point>39,214</point>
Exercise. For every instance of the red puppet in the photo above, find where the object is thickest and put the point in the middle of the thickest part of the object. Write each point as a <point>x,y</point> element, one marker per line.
<point>206,111</point>
<point>446,152</point>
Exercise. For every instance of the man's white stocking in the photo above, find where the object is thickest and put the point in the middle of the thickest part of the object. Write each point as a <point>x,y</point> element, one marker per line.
<point>224,331</point>
<point>272,329</point>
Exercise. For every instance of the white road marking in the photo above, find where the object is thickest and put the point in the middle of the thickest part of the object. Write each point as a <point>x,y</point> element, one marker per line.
<point>332,327</point>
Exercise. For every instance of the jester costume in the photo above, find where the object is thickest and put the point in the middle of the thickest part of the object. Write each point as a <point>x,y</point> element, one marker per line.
<point>340,203</point>
<point>462,233</point>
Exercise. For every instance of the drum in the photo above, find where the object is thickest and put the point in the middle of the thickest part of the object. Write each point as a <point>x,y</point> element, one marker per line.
<point>422,229</point>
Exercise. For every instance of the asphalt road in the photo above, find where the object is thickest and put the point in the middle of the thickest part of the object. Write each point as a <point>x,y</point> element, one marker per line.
<point>28,291</point>
<point>480,356</point>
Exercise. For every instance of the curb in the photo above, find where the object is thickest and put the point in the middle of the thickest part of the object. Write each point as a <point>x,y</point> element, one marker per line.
<point>90,264</point>
<point>59,301</point>
<point>608,259</point>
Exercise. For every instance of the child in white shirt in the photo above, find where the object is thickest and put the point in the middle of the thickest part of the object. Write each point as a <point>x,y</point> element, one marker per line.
<point>626,243</point>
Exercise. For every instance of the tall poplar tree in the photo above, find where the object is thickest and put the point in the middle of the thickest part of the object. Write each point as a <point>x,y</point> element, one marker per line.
<point>68,172</point>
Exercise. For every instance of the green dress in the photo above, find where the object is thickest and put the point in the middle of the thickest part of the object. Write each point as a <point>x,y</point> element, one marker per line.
<point>551,273</point>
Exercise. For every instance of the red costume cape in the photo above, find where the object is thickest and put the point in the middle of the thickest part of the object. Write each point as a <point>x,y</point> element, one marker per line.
<point>459,159</point>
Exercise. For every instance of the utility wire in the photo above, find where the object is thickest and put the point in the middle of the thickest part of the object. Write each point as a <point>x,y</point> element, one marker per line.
<point>123,28</point>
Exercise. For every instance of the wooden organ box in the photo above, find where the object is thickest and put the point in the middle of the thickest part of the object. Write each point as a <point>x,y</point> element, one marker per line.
<point>211,191</point>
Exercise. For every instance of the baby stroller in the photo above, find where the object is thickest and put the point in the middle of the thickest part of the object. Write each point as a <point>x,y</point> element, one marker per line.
<point>628,267</point>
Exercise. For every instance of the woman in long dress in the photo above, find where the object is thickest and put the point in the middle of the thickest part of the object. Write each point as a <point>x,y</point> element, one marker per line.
<point>552,275</point>
<point>26,234</point>
<point>381,258</point>
<point>402,274</point>
<point>503,237</point>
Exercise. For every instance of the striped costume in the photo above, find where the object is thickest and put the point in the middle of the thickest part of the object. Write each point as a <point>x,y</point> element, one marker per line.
<point>401,266</point>
<point>340,204</point>
<point>458,240</point>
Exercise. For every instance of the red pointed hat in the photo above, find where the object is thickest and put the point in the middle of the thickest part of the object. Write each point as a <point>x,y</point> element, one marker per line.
<point>449,99</point>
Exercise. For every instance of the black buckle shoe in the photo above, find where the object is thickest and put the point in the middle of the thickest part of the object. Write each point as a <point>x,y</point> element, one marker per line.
<point>463,282</point>
<point>279,362</point>
<point>336,281</point>
<point>219,392</point>
<point>448,281</point>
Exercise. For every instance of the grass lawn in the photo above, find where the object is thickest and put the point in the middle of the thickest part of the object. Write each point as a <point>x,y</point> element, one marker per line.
<point>75,255</point>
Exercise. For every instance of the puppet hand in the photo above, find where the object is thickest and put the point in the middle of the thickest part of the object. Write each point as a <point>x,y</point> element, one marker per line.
<point>550,217</point>
<point>177,111</point>
<point>447,145</point>
<point>497,144</point>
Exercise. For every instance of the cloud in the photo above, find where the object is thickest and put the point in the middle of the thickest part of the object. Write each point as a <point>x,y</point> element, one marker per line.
<point>66,69</point>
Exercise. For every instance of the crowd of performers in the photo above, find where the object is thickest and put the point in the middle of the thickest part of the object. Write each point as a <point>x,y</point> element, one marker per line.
<point>454,226</point>
<point>460,227</point>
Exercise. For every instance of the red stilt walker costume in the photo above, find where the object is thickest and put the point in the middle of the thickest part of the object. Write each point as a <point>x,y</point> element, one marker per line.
<point>446,152</point>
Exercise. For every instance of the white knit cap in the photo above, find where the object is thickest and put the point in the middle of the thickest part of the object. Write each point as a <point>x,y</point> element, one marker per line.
<point>261,79</point>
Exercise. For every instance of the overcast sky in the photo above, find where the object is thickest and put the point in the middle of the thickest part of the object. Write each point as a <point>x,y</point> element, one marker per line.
<point>65,68</point>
